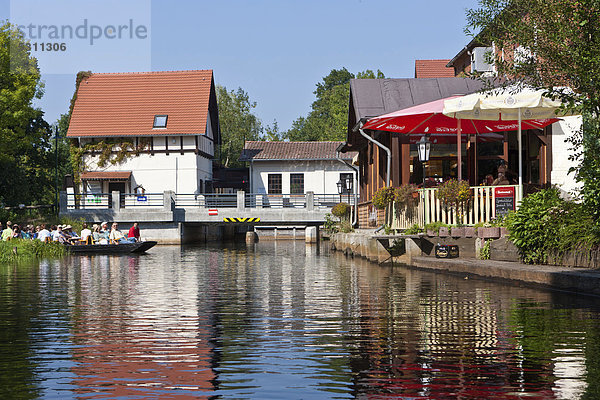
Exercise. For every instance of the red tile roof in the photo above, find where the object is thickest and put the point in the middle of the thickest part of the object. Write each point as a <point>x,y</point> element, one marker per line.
<point>124,104</point>
<point>106,175</point>
<point>433,69</point>
<point>293,151</point>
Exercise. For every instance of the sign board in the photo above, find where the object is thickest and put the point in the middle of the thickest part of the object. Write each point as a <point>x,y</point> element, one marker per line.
<point>142,198</point>
<point>504,200</point>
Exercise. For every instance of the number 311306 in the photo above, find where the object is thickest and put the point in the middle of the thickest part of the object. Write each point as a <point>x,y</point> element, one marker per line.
<point>48,46</point>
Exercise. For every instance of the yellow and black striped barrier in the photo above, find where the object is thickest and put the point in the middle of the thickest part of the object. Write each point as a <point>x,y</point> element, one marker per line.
<point>241,220</point>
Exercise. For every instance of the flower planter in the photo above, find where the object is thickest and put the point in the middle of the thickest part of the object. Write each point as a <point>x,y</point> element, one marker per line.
<point>503,231</point>
<point>431,233</point>
<point>444,232</point>
<point>488,233</point>
<point>469,231</point>
<point>457,232</point>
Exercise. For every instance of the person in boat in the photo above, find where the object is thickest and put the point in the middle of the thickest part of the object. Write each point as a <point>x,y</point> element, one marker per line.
<point>7,233</point>
<point>59,236</point>
<point>134,232</point>
<point>85,232</point>
<point>43,233</point>
<point>116,236</point>
<point>52,231</point>
<point>104,233</point>
<point>96,233</point>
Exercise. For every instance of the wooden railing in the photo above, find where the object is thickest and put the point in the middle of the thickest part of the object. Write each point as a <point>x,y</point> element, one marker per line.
<point>481,208</point>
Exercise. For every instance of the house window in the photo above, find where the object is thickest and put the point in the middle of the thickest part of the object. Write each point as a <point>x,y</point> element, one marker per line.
<point>160,121</point>
<point>348,181</point>
<point>297,183</point>
<point>274,183</point>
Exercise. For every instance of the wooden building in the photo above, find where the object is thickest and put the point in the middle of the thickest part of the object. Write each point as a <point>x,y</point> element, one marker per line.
<point>373,97</point>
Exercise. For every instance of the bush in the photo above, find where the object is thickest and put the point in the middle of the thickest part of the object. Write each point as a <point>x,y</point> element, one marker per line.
<point>383,197</point>
<point>413,230</point>
<point>545,225</point>
<point>405,194</point>
<point>435,226</point>
<point>454,193</point>
<point>28,249</point>
<point>341,210</point>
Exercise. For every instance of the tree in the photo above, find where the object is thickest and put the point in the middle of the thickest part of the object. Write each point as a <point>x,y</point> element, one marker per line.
<point>552,44</point>
<point>238,124</point>
<point>328,118</point>
<point>25,138</point>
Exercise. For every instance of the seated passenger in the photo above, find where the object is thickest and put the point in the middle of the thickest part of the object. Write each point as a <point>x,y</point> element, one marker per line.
<point>116,236</point>
<point>43,233</point>
<point>85,232</point>
<point>134,232</point>
<point>7,233</point>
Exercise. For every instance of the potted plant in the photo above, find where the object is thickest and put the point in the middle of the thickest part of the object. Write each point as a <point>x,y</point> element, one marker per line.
<point>455,194</point>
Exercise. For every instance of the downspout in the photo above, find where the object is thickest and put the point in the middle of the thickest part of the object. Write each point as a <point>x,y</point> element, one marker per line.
<point>378,144</point>
<point>337,157</point>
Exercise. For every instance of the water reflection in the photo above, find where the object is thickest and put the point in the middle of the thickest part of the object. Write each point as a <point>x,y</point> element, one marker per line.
<point>279,320</point>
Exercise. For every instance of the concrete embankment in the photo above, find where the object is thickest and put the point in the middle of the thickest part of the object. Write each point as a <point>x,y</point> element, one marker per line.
<point>573,279</point>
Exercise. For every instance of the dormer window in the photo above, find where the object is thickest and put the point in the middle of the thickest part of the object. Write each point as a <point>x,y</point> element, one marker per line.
<point>160,121</point>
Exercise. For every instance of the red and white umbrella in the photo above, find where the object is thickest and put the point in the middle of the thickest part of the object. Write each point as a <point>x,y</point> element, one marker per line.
<point>428,118</point>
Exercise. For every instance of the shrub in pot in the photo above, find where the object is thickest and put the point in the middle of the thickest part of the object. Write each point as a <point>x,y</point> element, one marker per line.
<point>444,231</point>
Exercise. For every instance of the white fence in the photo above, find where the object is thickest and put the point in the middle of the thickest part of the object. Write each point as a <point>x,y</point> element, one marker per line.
<point>89,201</point>
<point>481,208</point>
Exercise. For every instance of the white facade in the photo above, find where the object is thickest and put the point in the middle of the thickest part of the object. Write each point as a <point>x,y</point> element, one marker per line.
<point>561,151</point>
<point>185,173</point>
<point>319,176</point>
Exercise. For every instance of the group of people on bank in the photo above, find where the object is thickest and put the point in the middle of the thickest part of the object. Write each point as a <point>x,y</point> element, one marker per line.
<point>98,234</point>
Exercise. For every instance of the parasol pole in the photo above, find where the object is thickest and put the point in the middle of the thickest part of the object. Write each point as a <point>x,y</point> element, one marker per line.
<point>520,159</point>
<point>458,145</point>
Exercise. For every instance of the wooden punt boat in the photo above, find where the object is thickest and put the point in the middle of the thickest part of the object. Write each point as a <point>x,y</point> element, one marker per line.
<point>122,248</point>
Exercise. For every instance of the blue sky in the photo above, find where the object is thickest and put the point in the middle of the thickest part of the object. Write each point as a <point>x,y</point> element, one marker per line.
<point>276,50</point>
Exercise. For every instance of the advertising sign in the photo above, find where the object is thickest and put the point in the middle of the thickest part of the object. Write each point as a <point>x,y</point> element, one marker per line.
<point>505,200</point>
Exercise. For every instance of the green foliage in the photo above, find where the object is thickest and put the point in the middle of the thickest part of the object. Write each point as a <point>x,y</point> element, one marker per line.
<point>238,124</point>
<point>25,162</point>
<point>332,225</point>
<point>406,195</point>
<point>529,225</point>
<point>562,39</point>
<point>328,118</point>
<point>345,226</point>
<point>109,151</point>
<point>18,249</point>
<point>384,197</point>
<point>413,230</point>
<point>586,150</point>
<point>484,253</point>
<point>454,193</point>
<point>435,226</point>
<point>341,210</point>
<point>545,225</point>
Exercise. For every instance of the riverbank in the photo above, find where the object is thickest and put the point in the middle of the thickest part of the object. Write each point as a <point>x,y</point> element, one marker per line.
<point>20,249</point>
<point>408,251</point>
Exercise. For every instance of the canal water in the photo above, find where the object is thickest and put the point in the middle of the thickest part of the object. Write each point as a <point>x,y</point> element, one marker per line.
<point>279,321</point>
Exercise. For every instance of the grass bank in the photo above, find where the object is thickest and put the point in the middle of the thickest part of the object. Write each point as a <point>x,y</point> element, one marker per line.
<point>18,249</point>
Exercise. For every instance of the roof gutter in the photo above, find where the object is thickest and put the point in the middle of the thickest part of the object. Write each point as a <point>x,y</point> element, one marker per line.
<point>355,206</point>
<point>359,126</point>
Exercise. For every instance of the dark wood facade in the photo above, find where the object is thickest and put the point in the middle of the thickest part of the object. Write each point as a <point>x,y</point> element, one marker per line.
<point>374,97</point>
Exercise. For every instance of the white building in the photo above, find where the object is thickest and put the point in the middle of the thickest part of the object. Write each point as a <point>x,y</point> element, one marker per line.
<point>299,167</point>
<point>172,119</point>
